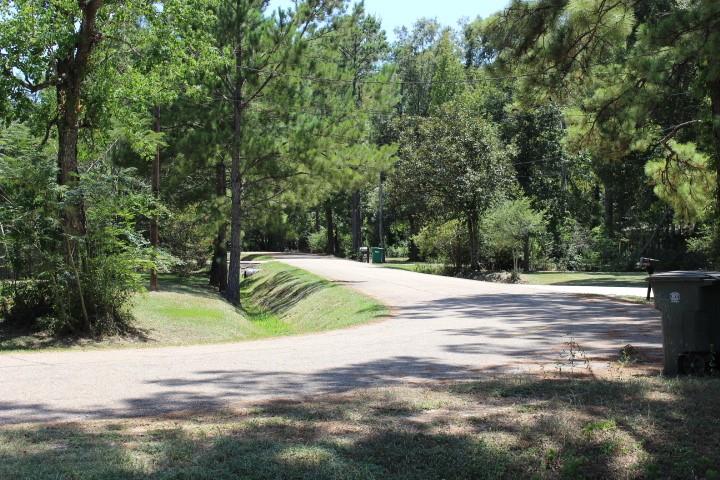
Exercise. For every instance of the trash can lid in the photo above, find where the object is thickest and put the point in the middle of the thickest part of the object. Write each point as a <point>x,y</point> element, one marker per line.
<point>686,276</point>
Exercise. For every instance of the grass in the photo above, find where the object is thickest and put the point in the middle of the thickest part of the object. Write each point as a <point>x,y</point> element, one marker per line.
<point>598,279</point>
<point>506,427</point>
<point>290,300</point>
<point>280,300</point>
<point>251,257</point>
<point>418,267</point>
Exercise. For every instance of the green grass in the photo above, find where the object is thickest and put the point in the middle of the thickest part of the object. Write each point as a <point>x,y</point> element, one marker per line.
<point>506,427</point>
<point>291,300</point>
<point>280,300</point>
<point>599,279</point>
<point>250,257</point>
<point>419,267</point>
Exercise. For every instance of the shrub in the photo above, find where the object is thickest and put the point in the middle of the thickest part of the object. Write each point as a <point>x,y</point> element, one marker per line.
<point>707,243</point>
<point>317,241</point>
<point>399,250</point>
<point>80,283</point>
<point>443,242</point>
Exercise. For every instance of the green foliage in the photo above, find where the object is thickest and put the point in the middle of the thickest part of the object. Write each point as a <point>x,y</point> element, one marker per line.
<point>317,241</point>
<point>707,243</point>
<point>186,237</point>
<point>443,242</point>
<point>112,254</point>
<point>684,180</point>
<point>510,225</point>
<point>399,250</point>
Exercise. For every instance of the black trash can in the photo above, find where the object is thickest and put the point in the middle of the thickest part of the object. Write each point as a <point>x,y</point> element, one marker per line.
<point>690,306</point>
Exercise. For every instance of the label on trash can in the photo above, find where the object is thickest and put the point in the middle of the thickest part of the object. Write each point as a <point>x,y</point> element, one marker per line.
<point>675,297</point>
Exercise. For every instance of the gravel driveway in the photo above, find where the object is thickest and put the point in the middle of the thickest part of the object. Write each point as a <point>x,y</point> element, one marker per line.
<point>441,328</point>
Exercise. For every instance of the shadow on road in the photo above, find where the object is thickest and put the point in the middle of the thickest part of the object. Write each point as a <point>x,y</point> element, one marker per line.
<point>490,333</point>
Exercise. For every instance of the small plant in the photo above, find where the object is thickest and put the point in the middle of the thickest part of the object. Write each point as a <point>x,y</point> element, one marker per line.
<point>572,357</point>
<point>628,355</point>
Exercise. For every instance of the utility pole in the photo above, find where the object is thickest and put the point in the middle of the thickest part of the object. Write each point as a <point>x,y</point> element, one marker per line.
<point>380,211</point>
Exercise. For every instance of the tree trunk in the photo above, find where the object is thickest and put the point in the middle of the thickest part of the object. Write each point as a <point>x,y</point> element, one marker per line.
<point>356,222</point>
<point>329,229</point>
<point>609,211</point>
<point>232,293</point>
<point>71,71</point>
<point>336,241</point>
<point>413,250</point>
<point>473,238</point>
<point>526,253</point>
<point>154,230</point>
<point>715,103</point>
<point>218,269</point>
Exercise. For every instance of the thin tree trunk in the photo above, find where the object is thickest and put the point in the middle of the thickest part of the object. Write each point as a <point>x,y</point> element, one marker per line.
<point>154,230</point>
<point>232,293</point>
<point>355,222</point>
<point>526,253</point>
<point>329,229</point>
<point>336,241</point>
<point>473,238</point>
<point>609,211</point>
<point>218,269</point>
<point>413,251</point>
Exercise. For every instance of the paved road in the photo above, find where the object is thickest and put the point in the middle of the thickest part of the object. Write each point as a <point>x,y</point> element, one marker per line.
<point>442,328</point>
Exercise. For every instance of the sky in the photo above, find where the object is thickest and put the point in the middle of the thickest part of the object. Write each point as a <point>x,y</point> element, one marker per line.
<point>397,13</point>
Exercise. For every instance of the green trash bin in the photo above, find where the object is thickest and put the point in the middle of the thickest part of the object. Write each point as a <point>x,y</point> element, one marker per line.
<point>378,255</point>
<point>690,306</point>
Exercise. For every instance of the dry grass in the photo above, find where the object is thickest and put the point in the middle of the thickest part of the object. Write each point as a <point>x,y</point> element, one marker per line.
<point>508,427</point>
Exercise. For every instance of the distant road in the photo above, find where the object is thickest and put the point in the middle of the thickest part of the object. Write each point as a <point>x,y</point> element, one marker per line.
<point>442,328</point>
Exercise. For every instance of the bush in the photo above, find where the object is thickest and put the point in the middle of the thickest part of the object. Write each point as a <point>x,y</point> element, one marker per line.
<point>399,250</point>
<point>22,302</point>
<point>81,283</point>
<point>317,241</point>
<point>707,244</point>
<point>444,243</point>
<point>507,227</point>
<point>575,247</point>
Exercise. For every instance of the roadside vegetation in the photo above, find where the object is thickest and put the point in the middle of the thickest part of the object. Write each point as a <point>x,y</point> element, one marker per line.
<point>279,300</point>
<point>508,427</point>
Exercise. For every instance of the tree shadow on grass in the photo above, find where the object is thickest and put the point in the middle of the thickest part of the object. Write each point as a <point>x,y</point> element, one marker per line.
<point>505,427</point>
<point>13,337</point>
<point>281,291</point>
<point>196,285</point>
<point>281,440</point>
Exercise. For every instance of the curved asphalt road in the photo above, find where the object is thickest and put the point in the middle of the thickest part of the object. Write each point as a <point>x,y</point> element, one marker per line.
<point>442,328</point>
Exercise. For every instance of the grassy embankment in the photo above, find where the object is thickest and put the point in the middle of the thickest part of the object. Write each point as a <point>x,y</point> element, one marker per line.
<point>507,427</point>
<point>598,279</point>
<point>280,300</point>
